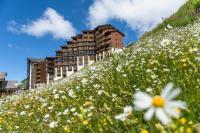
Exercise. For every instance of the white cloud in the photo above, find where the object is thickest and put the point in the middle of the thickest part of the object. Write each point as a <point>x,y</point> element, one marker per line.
<point>141,15</point>
<point>13,26</point>
<point>51,22</point>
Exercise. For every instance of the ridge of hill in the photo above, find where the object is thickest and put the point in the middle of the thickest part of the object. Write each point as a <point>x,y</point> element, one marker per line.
<point>187,14</point>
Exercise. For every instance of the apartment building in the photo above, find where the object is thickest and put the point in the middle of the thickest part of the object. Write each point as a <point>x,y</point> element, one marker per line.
<point>7,86</point>
<point>86,48</point>
<point>36,72</point>
<point>107,39</point>
<point>83,49</point>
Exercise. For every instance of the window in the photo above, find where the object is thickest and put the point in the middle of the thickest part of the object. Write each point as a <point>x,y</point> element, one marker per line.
<point>92,57</point>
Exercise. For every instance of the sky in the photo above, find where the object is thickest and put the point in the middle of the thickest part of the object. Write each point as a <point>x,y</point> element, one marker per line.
<point>36,28</point>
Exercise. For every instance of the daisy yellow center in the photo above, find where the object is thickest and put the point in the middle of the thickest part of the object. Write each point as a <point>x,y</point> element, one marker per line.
<point>67,129</point>
<point>129,113</point>
<point>85,122</point>
<point>144,131</point>
<point>158,101</point>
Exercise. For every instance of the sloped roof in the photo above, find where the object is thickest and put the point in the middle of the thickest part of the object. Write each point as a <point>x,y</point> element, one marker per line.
<point>8,85</point>
<point>35,59</point>
<point>105,26</point>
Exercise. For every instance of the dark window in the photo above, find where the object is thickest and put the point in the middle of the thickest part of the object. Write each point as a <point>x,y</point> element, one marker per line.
<point>70,68</point>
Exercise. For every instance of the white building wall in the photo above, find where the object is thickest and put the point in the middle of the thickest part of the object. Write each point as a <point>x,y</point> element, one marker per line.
<point>96,57</point>
<point>83,60</point>
<point>103,55</point>
<point>61,72</point>
<point>90,61</point>
<point>56,77</point>
<point>30,76</point>
<point>79,67</point>
<point>66,71</point>
<point>47,78</point>
<point>78,63</point>
<point>70,72</point>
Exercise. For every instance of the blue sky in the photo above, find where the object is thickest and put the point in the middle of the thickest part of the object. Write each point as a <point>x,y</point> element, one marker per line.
<point>20,18</point>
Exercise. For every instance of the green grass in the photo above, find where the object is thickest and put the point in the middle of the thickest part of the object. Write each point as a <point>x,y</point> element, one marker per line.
<point>23,84</point>
<point>187,14</point>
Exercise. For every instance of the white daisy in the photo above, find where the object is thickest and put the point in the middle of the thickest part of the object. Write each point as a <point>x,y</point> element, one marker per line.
<point>73,109</point>
<point>165,42</point>
<point>56,96</point>
<point>65,111</point>
<point>50,108</point>
<point>149,90</point>
<point>84,81</point>
<point>53,124</point>
<point>169,26</point>
<point>162,106</point>
<point>26,106</point>
<point>127,111</point>
<point>71,93</point>
<point>100,92</point>
<point>22,113</point>
<point>46,116</point>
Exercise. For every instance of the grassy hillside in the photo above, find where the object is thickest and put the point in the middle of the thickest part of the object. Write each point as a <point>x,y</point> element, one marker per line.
<point>23,84</point>
<point>93,99</point>
<point>187,14</point>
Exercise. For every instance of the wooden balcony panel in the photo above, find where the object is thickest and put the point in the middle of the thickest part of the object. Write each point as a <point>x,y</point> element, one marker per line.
<point>108,42</point>
<point>80,48</point>
<point>69,50</point>
<point>58,64</point>
<point>75,49</point>
<point>99,35</point>
<point>50,71</point>
<point>50,66</point>
<point>64,50</point>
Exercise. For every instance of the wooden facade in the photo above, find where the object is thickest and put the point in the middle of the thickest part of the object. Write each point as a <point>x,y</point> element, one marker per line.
<point>86,48</point>
<point>36,72</point>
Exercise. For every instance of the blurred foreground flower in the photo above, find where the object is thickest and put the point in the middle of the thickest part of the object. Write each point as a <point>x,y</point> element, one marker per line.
<point>127,111</point>
<point>163,106</point>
